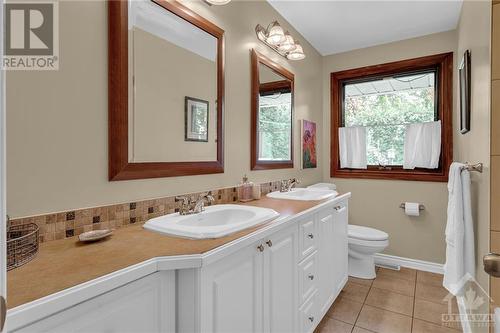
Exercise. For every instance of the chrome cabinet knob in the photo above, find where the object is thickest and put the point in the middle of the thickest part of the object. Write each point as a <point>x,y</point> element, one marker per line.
<point>311,319</point>
<point>269,243</point>
<point>310,236</point>
<point>260,248</point>
<point>337,208</point>
<point>311,277</point>
<point>491,263</point>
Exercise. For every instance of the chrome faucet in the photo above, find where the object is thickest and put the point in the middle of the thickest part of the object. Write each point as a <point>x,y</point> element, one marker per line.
<point>199,205</point>
<point>287,185</point>
<point>190,205</point>
<point>185,204</point>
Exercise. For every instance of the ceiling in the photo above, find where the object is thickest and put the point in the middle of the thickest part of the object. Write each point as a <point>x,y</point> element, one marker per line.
<point>334,26</point>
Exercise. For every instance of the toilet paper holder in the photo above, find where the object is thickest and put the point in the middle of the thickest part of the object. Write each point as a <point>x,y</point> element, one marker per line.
<point>420,207</point>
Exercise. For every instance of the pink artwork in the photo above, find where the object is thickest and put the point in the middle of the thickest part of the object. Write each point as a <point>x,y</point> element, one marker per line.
<point>309,157</point>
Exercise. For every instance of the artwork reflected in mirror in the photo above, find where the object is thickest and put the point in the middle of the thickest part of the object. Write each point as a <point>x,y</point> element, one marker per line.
<point>196,119</point>
<point>272,115</point>
<point>309,157</point>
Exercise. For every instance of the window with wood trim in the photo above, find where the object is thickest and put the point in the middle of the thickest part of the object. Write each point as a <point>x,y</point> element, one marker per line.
<point>384,99</point>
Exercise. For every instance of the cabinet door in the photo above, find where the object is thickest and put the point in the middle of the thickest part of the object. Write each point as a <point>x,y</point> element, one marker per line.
<point>280,281</point>
<point>231,299</point>
<point>327,258</point>
<point>340,220</point>
<point>140,306</point>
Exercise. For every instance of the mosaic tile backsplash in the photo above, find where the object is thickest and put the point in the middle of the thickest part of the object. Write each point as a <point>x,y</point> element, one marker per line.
<point>72,223</point>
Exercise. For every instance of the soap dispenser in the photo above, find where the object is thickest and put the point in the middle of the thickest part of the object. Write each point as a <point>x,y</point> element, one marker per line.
<point>245,190</point>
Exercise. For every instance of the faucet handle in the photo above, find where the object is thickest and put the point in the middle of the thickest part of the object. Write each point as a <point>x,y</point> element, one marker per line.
<point>208,196</point>
<point>185,199</point>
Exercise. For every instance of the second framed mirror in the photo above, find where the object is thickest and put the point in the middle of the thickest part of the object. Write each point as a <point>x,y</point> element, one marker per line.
<point>272,114</point>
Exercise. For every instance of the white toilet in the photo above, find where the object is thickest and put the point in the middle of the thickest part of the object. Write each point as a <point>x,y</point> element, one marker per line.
<point>364,242</point>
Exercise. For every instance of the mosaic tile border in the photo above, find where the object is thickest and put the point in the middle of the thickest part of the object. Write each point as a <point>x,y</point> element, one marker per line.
<point>72,223</point>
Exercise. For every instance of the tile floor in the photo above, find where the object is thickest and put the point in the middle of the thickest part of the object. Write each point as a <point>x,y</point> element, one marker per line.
<point>405,301</point>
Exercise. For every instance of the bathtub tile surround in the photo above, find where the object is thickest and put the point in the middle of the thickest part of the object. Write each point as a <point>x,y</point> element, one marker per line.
<point>72,223</point>
<point>366,306</point>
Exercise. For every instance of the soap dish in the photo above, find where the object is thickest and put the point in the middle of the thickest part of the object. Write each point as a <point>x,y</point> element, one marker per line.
<point>94,235</point>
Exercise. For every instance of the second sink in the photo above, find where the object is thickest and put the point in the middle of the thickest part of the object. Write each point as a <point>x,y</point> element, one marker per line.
<point>303,194</point>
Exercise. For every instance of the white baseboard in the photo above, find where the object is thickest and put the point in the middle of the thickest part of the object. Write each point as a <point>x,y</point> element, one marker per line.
<point>388,260</point>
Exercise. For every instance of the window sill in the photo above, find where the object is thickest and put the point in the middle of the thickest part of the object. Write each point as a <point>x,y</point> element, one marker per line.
<point>396,173</point>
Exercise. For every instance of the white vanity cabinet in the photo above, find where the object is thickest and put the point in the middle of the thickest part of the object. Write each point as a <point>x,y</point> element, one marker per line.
<point>283,278</point>
<point>144,305</point>
<point>332,254</point>
<point>252,290</point>
<point>285,282</point>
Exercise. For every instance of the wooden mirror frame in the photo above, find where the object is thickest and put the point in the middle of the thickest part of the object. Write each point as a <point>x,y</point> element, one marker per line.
<point>120,168</point>
<point>256,60</point>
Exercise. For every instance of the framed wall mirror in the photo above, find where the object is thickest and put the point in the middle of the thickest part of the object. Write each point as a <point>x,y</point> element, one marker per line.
<point>166,91</point>
<point>272,114</point>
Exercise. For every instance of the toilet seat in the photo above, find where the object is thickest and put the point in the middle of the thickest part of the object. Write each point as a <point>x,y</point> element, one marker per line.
<point>360,233</point>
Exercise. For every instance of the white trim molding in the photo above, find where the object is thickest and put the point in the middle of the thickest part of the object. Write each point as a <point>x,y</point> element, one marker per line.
<point>394,261</point>
<point>3,206</point>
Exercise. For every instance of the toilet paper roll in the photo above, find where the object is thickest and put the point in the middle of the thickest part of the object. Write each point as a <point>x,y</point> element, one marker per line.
<point>412,208</point>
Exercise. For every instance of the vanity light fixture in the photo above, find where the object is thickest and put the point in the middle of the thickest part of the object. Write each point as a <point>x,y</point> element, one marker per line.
<point>280,41</point>
<point>217,2</point>
<point>288,45</point>
<point>297,53</point>
<point>275,35</point>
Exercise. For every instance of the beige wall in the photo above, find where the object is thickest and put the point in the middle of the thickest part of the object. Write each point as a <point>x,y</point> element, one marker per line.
<point>57,121</point>
<point>375,203</point>
<point>266,75</point>
<point>164,75</point>
<point>474,31</point>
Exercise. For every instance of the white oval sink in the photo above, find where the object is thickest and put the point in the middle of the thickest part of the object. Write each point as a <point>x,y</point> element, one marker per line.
<point>216,221</point>
<point>304,194</point>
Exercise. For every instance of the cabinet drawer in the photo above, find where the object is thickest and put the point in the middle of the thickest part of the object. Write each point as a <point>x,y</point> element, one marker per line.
<point>307,277</point>
<point>307,234</point>
<point>309,315</point>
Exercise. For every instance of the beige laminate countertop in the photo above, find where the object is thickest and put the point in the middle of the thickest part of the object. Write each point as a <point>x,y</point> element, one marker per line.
<point>66,263</point>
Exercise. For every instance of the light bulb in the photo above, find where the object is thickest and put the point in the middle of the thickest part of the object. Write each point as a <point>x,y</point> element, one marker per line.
<point>276,34</point>
<point>288,45</point>
<point>297,53</point>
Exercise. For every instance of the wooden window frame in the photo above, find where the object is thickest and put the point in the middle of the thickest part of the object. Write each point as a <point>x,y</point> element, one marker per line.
<point>443,64</point>
<point>256,59</point>
<point>119,166</point>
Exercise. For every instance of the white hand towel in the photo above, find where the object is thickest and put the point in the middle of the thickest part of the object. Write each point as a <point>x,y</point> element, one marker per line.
<point>459,234</point>
<point>497,320</point>
<point>422,146</point>
<point>352,144</point>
